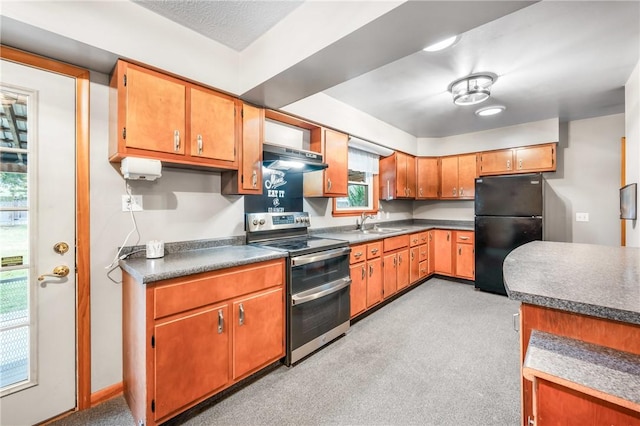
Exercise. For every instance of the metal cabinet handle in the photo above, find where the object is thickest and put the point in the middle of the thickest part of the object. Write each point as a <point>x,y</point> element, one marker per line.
<point>254,179</point>
<point>328,184</point>
<point>520,164</point>
<point>199,138</point>
<point>448,235</point>
<point>363,272</point>
<point>461,191</point>
<point>412,257</point>
<point>464,238</point>
<point>508,164</point>
<point>415,240</point>
<point>388,190</point>
<point>394,261</point>
<point>176,140</point>
<point>374,251</point>
<point>459,251</point>
<point>423,253</point>
<point>516,322</point>
<point>421,192</point>
<point>358,254</point>
<point>454,191</point>
<point>399,259</point>
<point>241,316</point>
<point>430,236</point>
<point>370,270</point>
<point>220,321</point>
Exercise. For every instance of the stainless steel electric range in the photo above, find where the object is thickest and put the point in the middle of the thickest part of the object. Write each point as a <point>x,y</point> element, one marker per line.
<point>318,282</point>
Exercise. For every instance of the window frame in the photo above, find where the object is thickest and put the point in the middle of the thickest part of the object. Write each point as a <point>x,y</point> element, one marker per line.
<point>357,212</point>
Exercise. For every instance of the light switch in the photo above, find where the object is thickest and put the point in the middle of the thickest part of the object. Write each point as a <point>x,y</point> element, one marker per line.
<point>582,217</point>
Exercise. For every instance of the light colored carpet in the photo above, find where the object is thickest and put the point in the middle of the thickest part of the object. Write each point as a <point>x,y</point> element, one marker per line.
<point>442,354</point>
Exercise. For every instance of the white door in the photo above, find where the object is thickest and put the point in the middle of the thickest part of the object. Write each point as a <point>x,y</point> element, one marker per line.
<point>37,211</point>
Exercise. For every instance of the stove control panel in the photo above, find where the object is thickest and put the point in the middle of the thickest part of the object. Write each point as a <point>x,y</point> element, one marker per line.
<point>274,221</point>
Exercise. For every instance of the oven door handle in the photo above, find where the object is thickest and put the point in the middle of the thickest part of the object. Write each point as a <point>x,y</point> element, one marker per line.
<point>316,257</point>
<point>326,289</point>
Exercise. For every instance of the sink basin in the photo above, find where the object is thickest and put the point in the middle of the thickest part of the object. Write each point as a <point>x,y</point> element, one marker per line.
<point>376,231</point>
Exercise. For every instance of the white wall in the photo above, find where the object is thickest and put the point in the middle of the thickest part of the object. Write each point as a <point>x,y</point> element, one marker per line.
<point>181,205</point>
<point>586,180</point>
<point>632,132</point>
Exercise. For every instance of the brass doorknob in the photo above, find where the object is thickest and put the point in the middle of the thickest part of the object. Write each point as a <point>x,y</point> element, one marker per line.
<point>60,271</point>
<point>61,247</point>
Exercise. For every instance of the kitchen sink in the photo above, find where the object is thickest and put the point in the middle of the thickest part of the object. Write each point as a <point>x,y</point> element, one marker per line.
<point>376,231</point>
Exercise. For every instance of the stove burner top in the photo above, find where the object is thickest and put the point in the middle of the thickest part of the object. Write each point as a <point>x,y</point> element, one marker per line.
<point>298,246</point>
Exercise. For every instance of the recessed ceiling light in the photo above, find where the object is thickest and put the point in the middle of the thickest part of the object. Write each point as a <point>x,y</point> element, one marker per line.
<point>441,45</point>
<point>492,110</point>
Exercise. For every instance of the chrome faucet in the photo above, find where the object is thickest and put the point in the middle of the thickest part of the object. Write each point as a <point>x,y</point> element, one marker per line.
<point>363,218</point>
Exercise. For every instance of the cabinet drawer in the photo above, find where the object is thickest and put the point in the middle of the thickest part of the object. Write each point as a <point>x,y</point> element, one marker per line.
<point>423,252</point>
<point>358,253</point>
<point>464,237</point>
<point>374,249</point>
<point>180,294</point>
<point>395,243</point>
<point>414,239</point>
<point>424,237</point>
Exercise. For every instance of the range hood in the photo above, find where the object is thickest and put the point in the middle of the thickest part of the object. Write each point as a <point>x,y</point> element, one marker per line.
<point>291,160</point>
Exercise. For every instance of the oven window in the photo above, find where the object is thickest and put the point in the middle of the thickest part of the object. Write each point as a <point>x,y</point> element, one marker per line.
<point>311,275</point>
<point>312,319</point>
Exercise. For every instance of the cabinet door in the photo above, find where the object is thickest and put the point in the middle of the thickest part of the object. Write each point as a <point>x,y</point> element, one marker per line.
<point>414,270</point>
<point>431,253</point>
<point>401,175</point>
<point>404,263</point>
<point>252,138</point>
<point>424,269</point>
<point>466,175</point>
<point>428,178</point>
<point>258,331</point>
<point>442,248</point>
<point>411,175</point>
<point>336,156</point>
<point>496,162</point>
<point>358,293</point>
<point>449,177</point>
<point>390,268</point>
<point>535,158</point>
<point>465,261</point>
<point>155,112</point>
<point>374,282</point>
<point>191,358</point>
<point>213,125</point>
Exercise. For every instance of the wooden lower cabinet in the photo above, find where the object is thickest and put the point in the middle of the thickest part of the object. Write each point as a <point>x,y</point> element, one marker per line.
<point>358,294</point>
<point>443,243</point>
<point>396,272</point>
<point>374,282</point>
<point>366,277</point>
<point>465,255</point>
<point>188,338</point>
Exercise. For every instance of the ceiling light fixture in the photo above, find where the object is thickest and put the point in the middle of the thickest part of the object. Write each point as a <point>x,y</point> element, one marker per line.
<point>472,89</point>
<point>492,110</point>
<point>441,45</point>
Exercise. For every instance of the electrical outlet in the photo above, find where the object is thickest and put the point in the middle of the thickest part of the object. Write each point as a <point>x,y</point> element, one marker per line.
<point>582,217</point>
<point>133,203</point>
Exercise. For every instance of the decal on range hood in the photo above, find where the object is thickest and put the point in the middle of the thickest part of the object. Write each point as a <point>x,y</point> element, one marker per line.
<point>291,160</point>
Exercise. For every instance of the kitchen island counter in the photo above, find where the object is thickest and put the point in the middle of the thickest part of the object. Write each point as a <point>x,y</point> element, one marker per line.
<point>190,262</point>
<point>599,281</point>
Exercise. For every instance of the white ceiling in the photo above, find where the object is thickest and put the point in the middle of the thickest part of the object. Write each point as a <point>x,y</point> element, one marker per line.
<point>566,59</point>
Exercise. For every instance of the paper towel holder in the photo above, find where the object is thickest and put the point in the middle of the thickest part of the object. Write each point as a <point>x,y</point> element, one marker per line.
<point>136,168</point>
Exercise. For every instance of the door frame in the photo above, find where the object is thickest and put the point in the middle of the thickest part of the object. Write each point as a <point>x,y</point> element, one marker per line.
<point>83,266</point>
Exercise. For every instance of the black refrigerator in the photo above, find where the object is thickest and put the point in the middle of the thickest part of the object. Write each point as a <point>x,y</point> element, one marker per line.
<point>508,214</point>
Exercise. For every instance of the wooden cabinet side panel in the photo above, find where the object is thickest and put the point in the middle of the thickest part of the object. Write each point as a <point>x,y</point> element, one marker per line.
<point>431,253</point>
<point>374,282</point>
<point>358,289</point>
<point>191,359</point>
<point>259,340</point>
<point>612,334</point>
<point>252,140</point>
<point>213,121</point>
<point>411,176</point>
<point>135,346</point>
<point>156,108</point>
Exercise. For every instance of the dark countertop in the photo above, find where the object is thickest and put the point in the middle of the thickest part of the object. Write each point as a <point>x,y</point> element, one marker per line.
<point>189,262</point>
<point>599,281</point>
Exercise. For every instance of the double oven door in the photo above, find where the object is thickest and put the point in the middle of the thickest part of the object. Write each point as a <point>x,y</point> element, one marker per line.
<point>319,304</point>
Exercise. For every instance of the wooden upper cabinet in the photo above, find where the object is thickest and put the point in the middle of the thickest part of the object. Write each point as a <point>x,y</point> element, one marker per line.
<point>248,178</point>
<point>457,176</point>
<point>536,158</point>
<point>154,110</point>
<point>466,176</point>
<point>158,116</point>
<point>213,125</point>
<point>526,159</point>
<point>397,176</point>
<point>331,182</point>
<point>427,177</point>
